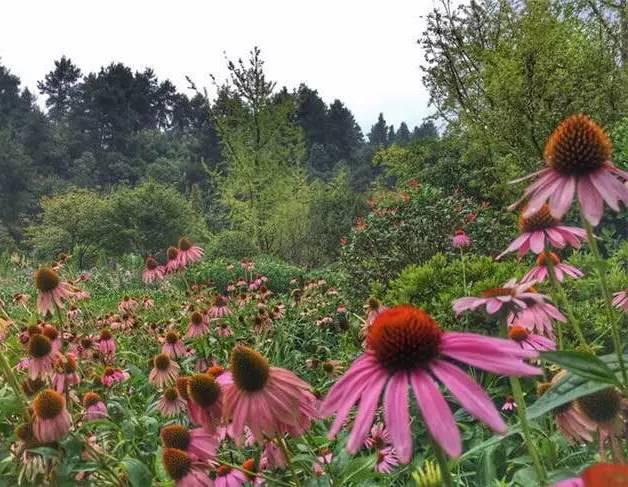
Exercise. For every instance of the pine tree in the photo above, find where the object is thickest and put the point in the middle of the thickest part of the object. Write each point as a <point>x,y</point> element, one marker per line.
<point>378,136</point>
<point>402,137</point>
<point>60,86</point>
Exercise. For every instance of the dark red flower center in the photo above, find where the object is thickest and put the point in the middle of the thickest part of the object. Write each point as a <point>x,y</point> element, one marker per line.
<point>105,335</point>
<point>404,337</point>
<point>602,406</point>
<point>249,368</point>
<point>196,318</point>
<point>39,346</point>
<point>172,337</point>
<point>171,394</point>
<point>185,244</point>
<point>175,436</point>
<point>223,470</point>
<point>50,332</point>
<point>203,389</point>
<point>577,146</point>
<point>161,361</point>
<point>172,253</point>
<point>151,263</point>
<point>46,279</point>
<point>176,462</point>
<point>90,399</point>
<point>48,404</point>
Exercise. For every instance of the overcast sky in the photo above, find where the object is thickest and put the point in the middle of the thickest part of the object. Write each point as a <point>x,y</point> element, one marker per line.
<point>363,52</point>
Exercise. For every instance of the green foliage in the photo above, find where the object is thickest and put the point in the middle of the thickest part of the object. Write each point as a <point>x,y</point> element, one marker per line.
<point>232,244</point>
<point>411,227</point>
<point>435,284</point>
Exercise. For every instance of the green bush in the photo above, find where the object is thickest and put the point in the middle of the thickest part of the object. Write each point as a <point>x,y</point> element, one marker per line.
<point>435,284</point>
<point>232,244</point>
<point>410,227</point>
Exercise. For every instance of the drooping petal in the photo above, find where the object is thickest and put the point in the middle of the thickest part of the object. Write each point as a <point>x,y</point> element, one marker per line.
<point>396,415</point>
<point>366,414</point>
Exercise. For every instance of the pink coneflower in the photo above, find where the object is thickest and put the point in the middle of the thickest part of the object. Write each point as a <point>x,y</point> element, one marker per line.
<point>95,408</point>
<point>41,357</point>
<point>173,263</point>
<point>604,409</point>
<point>279,311</point>
<point>332,368</point>
<point>53,335</point>
<point>197,326</point>
<point>52,290</point>
<point>188,252</point>
<point>196,442</point>
<point>152,271</point>
<point>224,330</point>
<point>21,299</point>
<point>106,344</point>
<point>541,228</point>
<point>173,346</point>
<point>460,240</point>
<point>578,160</point>
<point>112,376</point>
<point>204,401</point>
<point>170,404</point>
<point>127,305</point>
<point>537,317</point>
<point>269,400</point>
<point>599,475</point>
<point>229,477</point>
<point>184,469</point>
<point>509,404</point>
<point>272,457</point>
<point>220,308</point>
<point>387,460</point>
<point>541,270</point>
<point>373,308</point>
<point>378,437</point>
<point>528,341</point>
<point>66,374</point>
<point>407,347</point>
<point>511,296</point>
<point>148,302</point>
<point>323,459</point>
<point>620,300</point>
<point>51,420</point>
<point>164,372</point>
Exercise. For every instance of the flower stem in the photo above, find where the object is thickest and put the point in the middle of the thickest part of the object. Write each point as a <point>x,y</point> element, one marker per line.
<point>599,265</point>
<point>9,375</point>
<point>525,427</point>
<point>447,480</point>
<point>566,305</point>
<point>464,271</point>
<point>286,452</point>
<point>60,319</point>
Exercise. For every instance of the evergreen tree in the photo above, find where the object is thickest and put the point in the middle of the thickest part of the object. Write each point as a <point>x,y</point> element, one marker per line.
<point>59,85</point>
<point>390,137</point>
<point>378,136</point>
<point>402,137</point>
<point>344,136</point>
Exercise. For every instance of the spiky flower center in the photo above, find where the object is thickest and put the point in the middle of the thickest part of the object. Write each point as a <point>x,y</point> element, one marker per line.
<point>46,279</point>
<point>220,301</point>
<point>223,470</point>
<point>249,465</point>
<point>50,332</point>
<point>458,233</point>
<point>86,342</point>
<point>577,146</point>
<point>404,337</point>
<point>161,361</point>
<point>203,389</point>
<point>537,221</point>
<point>70,364</point>
<point>105,335</point>
<point>542,259</point>
<point>171,394</point>
<point>497,291</point>
<point>48,404</point>
<point>182,386</point>
<point>175,436</point>
<point>249,368</point>
<point>172,337</point>
<point>602,406</point>
<point>215,370</point>
<point>39,346</point>
<point>109,371</point>
<point>172,253</point>
<point>91,399</point>
<point>518,333</point>
<point>196,318</point>
<point>177,463</point>
<point>151,264</point>
<point>34,329</point>
<point>328,367</point>
<point>25,432</point>
<point>185,244</point>
<point>373,304</point>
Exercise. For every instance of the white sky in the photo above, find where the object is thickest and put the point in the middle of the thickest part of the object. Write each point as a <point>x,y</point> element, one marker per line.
<point>362,52</point>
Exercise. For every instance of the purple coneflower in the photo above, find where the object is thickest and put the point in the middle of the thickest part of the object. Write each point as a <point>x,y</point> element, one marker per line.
<point>460,240</point>
<point>620,300</point>
<point>224,330</point>
<point>537,317</point>
<point>541,270</point>
<point>106,344</point>
<point>95,408</point>
<point>387,460</point>
<point>164,372</point>
<point>205,401</point>
<point>378,437</point>
<point>220,308</point>
<point>407,347</point>
<point>188,252</point>
<point>229,477</point>
<point>196,442</point>
<point>197,326</point>
<point>112,376</point>
<point>173,263</point>
<point>152,271</point>
<point>272,457</point>
<point>66,374</point>
<point>51,420</point>
<point>41,357</point>
<point>509,404</point>
<point>170,404</point>
<point>184,469</point>
<point>173,346</point>
<point>511,296</point>
<point>52,291</point>
<point>528,341</point>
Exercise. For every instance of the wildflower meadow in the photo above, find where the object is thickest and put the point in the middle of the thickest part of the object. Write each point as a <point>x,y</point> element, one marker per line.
<point>228,298</point>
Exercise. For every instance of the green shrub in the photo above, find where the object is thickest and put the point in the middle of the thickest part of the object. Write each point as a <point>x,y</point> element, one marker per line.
<point>232,244</point>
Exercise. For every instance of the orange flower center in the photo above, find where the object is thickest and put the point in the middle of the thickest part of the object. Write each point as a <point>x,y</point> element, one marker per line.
<point>46,279</point>
<point>577,146</point>
<point>172,337</point>
<point>518,333</point>
<point>542,259</point>
<point>161,361</point>
<point>249,368</point>
<point>203,389</point>
<point>404,337</point>
<point>176,462</point>
<point>223,470</point>
<point>175,436</point>
<point>497,291</point>
<point>50,332</point>
<point>48,404</point>
<point>537,221</point>
<point>90,398</point>
<point>182,386</point>
<point>196,318</point>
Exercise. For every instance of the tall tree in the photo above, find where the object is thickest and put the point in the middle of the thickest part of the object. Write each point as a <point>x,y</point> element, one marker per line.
<point>402,137</point>
<point>378,136</point>
<point>59,86</point>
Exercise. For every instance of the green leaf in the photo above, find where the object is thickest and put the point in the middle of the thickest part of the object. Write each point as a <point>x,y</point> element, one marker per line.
<point>583,364</point>
<point>139,474</point>
<point>571,388</point>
